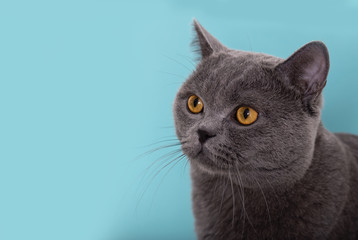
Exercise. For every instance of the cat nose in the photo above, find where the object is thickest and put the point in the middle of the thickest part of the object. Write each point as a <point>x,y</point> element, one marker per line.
<point>204,135</point>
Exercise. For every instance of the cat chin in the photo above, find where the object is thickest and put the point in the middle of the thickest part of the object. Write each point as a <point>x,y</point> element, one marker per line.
<point>211,170</point>
<point>248,178</point>
<point>201,169</point>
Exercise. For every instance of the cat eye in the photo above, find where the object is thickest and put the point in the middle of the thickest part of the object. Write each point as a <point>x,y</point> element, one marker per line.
<point>195,104</point>
<point>246,115</point>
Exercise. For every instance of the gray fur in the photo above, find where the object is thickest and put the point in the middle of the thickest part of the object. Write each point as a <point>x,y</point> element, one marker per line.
<point>283,177</point>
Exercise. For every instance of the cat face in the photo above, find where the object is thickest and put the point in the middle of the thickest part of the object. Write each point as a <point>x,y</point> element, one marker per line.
<point>229,87</point>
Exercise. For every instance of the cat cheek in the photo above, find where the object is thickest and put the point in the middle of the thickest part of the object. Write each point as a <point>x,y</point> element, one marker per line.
<point>191,147</point>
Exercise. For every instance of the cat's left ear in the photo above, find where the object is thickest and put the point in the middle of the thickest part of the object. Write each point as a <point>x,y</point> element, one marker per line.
<point>205,42</point>
<point>307,70</point>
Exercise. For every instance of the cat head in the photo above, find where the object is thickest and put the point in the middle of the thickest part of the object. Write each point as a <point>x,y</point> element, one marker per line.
<point>251,116</point>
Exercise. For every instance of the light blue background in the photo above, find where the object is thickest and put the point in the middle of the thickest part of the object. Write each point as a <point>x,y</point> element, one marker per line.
<point>86,86</point>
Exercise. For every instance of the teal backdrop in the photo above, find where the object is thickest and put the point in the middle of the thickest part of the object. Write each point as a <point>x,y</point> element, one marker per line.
<point>86,89</point>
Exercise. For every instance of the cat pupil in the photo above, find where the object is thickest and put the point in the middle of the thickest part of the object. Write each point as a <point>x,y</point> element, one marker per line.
<point>246,113</point>
<point>195,103</point>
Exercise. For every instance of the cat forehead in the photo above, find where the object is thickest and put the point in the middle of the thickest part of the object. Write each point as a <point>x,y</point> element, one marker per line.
<point>232,71</point>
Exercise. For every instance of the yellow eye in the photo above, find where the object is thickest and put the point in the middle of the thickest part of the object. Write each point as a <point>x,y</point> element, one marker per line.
<point>195,104</point>
<point>246,115</point>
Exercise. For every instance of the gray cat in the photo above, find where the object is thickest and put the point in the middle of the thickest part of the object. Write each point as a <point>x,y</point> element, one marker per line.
<point>262,164</point>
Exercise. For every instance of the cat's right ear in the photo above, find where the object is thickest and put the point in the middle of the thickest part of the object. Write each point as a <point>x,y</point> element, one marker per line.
<point>205,44</point>
<point>306,70</point>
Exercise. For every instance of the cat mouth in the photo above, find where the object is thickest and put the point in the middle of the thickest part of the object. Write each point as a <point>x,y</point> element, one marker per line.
<point>218,164</point>
<point>212,161</point>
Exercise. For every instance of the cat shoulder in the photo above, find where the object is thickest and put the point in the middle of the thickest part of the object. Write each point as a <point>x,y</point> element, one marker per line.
<point>351,141</point>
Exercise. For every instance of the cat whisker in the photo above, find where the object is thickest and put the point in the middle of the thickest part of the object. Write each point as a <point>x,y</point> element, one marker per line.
<point>243,197</point>
<point>217,182</point>
<point>171,156</point>
<point>167,164</point>
<point>269,183</point>
<point>223,194</point>
<point>164,157</point>
<point>167,127</point>
<point>186,164</point>
<point>188,59</point>
<point>162,141</point>
<point>158,149</point>
<point>233,201</point>
<point>267,206</point>
<point>173,74</point>
<point>181,64</point>
<point>158,171</point>
<point>176,161</point>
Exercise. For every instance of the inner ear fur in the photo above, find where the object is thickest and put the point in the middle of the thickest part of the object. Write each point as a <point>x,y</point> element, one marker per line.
<point>306,70</point>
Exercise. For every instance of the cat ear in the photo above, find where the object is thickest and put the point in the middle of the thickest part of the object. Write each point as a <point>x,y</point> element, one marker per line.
<point>307,69</point>
<point>205,42</point>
